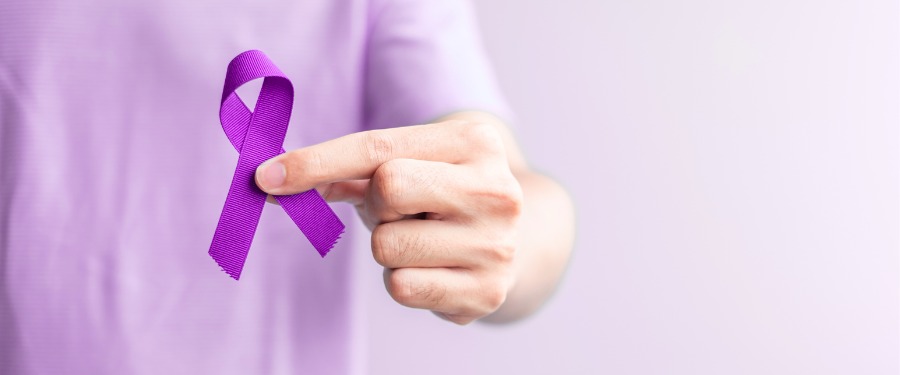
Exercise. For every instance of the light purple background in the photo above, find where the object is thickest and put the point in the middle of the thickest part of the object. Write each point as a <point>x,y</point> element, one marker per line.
<point>735,166</point>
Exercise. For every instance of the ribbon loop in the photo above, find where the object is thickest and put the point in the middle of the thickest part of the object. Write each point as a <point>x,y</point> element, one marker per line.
<point>258,136</point>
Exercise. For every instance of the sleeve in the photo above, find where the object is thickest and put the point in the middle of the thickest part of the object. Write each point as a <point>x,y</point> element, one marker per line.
<point>424,60</point>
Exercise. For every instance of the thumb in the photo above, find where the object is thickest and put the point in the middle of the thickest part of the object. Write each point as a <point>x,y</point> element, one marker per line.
<point>353,192</point>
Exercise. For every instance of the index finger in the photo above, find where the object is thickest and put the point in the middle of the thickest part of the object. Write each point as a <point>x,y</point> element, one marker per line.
<point>357,156</point>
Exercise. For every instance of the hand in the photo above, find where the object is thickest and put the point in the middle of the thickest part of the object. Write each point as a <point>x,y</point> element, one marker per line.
<point>440,199</point>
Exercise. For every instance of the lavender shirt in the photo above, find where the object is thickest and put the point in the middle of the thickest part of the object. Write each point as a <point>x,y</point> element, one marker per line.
<point>113,171</point>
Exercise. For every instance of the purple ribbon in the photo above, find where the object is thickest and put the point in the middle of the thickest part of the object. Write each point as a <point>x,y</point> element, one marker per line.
<point>258,136</point>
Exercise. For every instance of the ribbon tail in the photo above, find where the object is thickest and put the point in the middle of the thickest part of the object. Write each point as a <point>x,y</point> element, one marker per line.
<point>315,218</point>
<point>238,222</point>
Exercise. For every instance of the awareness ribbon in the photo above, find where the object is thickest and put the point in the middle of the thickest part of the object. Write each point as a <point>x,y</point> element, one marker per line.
<point>258,136</point>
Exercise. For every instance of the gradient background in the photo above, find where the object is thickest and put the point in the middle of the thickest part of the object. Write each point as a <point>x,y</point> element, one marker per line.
<point>735,165</point>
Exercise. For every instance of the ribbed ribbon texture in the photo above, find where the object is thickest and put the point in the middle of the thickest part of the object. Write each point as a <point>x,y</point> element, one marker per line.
<point>258,136</point>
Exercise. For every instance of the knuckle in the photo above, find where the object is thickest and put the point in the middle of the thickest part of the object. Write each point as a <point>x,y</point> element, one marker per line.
<point>502,252</point>
<point>383,241</point>
<point>379,146</point>
<point>511,200</point>
<point>481,135</point>
<point>390,249</point>
<point>504,198</point>
<point>415,294</point>
<point>400,288</point>
<point>494,297</point>
<point>388,182</point>
<point>459,319</point>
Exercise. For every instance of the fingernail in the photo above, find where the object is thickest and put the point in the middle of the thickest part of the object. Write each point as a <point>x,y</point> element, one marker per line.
<point>271,175</point>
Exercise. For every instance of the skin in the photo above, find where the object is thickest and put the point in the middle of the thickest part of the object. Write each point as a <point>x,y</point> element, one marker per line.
<point>461,224</point>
